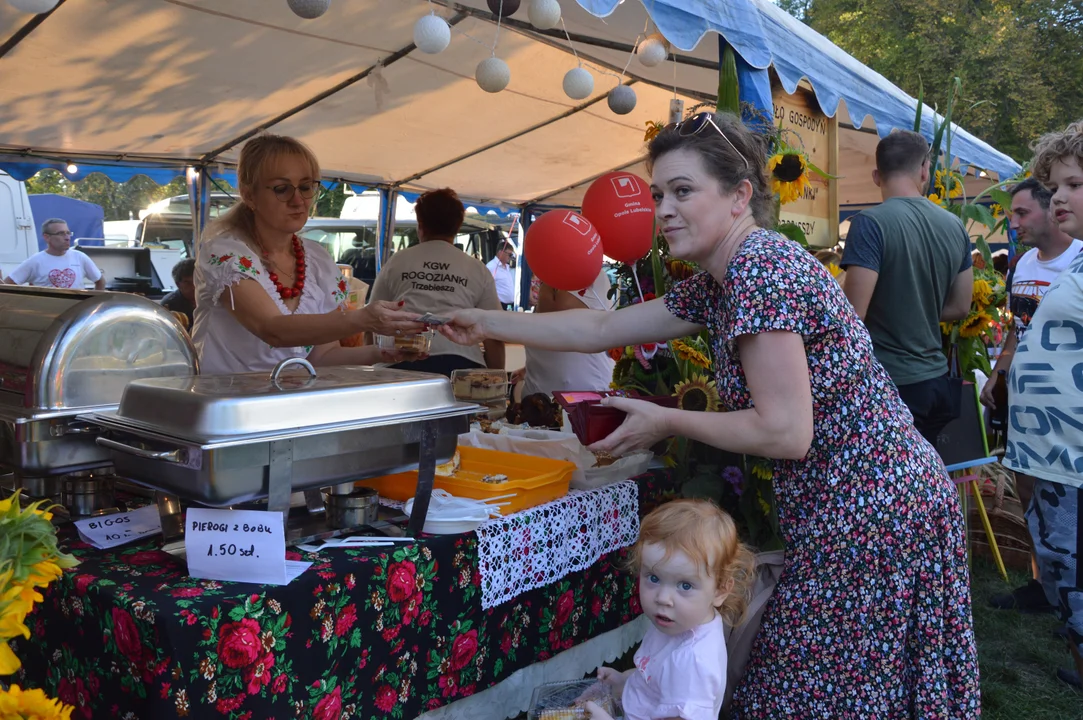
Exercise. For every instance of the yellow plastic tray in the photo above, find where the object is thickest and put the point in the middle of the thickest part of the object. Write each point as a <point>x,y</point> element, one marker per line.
<point>534,480</point>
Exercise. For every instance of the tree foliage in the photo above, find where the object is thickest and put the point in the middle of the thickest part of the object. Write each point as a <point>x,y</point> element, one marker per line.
<point>1019,60</point>
<point>120,201</point>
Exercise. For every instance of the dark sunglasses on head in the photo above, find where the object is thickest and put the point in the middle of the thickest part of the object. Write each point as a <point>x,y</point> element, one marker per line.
<point>697,123</point>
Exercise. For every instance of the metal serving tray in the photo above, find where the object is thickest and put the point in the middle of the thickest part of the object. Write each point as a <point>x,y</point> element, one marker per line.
<point>226,440</point>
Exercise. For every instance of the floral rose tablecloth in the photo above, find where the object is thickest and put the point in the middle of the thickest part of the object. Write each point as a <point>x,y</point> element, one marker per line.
<point>360,634</point>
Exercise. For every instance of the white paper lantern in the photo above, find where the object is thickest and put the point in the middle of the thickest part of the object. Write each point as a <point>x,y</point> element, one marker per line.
<point>578,83</point>
<point>544,14</point>
<point>622,100</point>
<point>309,9</point>
<point>492,74</point>
<point>652,51</point>
<point>34,6</point>
<point>432,34</point>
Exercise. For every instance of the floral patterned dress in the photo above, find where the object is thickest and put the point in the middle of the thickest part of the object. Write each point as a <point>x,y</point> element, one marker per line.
<point>871,617</point>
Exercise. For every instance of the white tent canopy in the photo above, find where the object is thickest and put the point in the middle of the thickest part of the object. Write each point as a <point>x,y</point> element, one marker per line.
<point>185,82</point>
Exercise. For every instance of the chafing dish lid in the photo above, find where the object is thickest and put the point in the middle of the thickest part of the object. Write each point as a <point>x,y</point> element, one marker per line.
<point>66,349</point>
<point>221,408</point>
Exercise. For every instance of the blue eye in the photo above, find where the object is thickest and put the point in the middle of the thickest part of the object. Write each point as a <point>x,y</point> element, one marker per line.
<point>686,586</point>
<point>652,579</point>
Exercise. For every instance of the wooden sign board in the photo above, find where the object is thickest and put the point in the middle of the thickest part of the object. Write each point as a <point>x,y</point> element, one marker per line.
<point>805,126</point>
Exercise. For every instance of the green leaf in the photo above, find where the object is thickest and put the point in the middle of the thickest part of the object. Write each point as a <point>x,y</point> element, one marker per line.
<point>1003,198</point>
<point>818,171</point>
<point>237,613</point>
<point>729,99</point>
<point>921,102</point>
<point>794,232</point>
<point>983,248</point>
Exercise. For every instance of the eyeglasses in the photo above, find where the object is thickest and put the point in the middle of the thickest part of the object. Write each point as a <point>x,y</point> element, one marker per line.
<point>65,233</point>
<point>284,191</point>
<point>694,125</point>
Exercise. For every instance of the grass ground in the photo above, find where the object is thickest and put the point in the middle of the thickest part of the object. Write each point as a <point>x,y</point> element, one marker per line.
<point>1019,656</point>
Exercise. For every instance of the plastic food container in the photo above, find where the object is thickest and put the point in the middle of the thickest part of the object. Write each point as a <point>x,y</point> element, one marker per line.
<point>534,480</point>
<point>565,700</point>
<point>418,343</point>
<point>449,515</point>
<point>482,386</point>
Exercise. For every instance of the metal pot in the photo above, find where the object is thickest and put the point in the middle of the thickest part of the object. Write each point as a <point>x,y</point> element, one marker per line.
<point>353,510</point>
<point>42,487</point>
<point>86,493</point>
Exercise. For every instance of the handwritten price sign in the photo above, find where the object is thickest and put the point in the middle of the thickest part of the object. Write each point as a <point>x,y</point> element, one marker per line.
<point>106,531</point>
<point>236,545</point>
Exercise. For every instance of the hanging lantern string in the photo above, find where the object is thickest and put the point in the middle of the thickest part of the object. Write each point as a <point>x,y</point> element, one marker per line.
<point>639,288</point>
<point>635,47</point>
<point>499,18</point>
<point>570,43</point>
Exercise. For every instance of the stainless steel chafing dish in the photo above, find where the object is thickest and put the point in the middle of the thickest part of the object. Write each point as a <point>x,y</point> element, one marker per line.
<point>67,352</point>
<point>223,440</point>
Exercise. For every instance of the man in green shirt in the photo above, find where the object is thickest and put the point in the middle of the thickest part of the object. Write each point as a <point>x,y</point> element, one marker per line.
<point>908,268</point>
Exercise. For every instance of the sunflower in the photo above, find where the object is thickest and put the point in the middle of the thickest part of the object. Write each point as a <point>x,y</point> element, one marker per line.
<point>690,353</point>
<point>653,128</point>
<point>18,703</point>
<point>975,324</point>
<point>944,178</point>
<point>935,198</point>
<point>997,210</point>
<point>983,293</point>
<point>697,393</point>
<point>945,328</point>
<point>789,174</point>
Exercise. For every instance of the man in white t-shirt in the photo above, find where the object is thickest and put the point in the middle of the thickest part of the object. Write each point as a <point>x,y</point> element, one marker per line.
<point>57,266</point>
<point>503,275</point>
<point>1051,252</point>
<point>437,277</point>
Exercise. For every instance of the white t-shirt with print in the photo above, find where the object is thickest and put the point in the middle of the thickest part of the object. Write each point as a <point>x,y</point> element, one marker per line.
<point>68,271</point>
<point>504,277</point>
<point>1045,386</point>
<point>223,344</point>
<point>1030,280</point>
<point>437,277</point>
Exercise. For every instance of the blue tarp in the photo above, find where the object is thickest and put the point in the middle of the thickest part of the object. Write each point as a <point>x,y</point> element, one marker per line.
<point>766,35</point>
<point>84,219</point>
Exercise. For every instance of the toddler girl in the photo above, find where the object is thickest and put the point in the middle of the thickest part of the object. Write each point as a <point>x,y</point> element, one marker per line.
<point>693,574</point>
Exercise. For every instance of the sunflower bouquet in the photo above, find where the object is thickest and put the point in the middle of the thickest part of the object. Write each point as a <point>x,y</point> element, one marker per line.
<point>29,559</point>
<point>975,333</point>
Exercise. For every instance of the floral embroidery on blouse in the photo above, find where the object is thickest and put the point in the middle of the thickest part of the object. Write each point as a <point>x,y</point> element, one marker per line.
<point>339,293</point>
<point>243,264</point>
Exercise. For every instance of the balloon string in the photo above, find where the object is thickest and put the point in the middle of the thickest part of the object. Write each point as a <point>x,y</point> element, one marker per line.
<point>639,288</point>
<point>499,17</point>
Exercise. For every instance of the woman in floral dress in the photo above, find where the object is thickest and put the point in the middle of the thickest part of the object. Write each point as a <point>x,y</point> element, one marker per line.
<point>871,617</point>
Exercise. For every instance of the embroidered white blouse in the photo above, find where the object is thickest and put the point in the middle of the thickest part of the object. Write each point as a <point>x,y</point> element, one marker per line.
<point>223,344</point>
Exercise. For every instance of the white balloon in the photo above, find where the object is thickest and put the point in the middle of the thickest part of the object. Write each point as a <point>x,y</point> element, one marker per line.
<point>622,100</point>
<point>578,83</point>
<point>544,14</point>
<point>652,51</point>
<point>492,74</point>
<point>34,6</point>
<point>309,9</point>
<point>432,34</point>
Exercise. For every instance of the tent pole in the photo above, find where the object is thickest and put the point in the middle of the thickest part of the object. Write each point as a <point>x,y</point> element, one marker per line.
<point>30,26</point>
<point>389,198</point>
<point>525,275</point>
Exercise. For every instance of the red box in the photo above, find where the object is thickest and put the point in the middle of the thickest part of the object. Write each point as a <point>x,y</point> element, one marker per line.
<point>592,421</point>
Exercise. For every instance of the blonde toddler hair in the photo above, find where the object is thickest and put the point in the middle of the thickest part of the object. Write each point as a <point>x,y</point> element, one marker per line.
<point>707,535</point>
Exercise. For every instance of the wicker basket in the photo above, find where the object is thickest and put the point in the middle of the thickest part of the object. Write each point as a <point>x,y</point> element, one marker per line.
<point>1005,515</point>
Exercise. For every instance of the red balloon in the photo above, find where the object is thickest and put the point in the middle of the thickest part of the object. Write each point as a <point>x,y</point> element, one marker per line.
<point>620,206</point>
<point>564,250</point>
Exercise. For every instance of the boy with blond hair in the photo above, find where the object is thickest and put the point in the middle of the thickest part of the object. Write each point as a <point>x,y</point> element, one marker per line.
<point>1045,429</point>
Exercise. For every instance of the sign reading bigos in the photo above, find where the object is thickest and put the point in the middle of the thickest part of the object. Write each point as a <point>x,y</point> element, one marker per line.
<point>806,127</point>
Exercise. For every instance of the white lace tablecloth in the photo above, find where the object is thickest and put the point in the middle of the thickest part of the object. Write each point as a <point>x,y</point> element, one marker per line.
<point>542,544</point>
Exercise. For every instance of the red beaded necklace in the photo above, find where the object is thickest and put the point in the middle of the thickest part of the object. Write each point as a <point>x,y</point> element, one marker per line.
<point>299,280</point>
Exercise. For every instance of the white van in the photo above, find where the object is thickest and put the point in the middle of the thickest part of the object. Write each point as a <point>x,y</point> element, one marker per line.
<point>18,231</point>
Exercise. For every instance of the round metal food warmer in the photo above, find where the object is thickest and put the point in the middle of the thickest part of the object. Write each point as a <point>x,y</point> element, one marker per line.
<point>225,440</point>
<point>67,352</point>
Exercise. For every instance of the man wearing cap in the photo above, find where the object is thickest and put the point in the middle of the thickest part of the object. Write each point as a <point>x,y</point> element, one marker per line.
<point>500,267</point>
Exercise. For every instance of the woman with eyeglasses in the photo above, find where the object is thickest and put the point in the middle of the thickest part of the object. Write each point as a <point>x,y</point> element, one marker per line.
<point>871,616</point>
<point>262,293</point>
